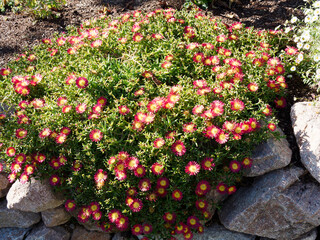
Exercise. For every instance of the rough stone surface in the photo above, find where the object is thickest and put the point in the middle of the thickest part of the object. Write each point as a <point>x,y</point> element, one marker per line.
<point>269,156</point>
<point>312,235</point>
<point>4,185</point>
<point>218,232</point>
<point>56,216</point>
<point>13,233</point>
<point>275,206</point>
<point>80,233</point>
<point>43,233</point>
<point>305,119</point>
<point>10,218</point>
<point>213,198</point>
<point>34,196</point>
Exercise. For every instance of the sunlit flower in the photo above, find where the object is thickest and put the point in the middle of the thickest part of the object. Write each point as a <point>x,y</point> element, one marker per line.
<point>178,148</point>
<point>157,168</point>
<point>236,105</point>
<point>124,110</point>
<point>144,184</point>
<point>21,133</point>
<point>11,151</point>
<point>192,168</point>
<point>96,135</point>
<point>82,82</point>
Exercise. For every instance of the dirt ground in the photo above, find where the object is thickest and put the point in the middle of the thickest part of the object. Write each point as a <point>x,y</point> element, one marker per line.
<point>19,31</point>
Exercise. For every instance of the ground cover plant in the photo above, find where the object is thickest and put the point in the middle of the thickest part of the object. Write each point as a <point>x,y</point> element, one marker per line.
<point>305,34</point>
<point>39,9</point>
<point>137,119</point>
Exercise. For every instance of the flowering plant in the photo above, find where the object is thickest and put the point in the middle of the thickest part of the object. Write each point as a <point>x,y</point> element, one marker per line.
<point>137,119</point>
<point>304,32</point>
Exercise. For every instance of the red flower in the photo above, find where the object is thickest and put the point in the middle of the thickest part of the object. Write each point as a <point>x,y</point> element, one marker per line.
<point>158,143</point>
<point>144,184</point>
<point>177,195</point>
<point>157,168</point>
<point>137,37</point>
<point>96,135</point>
<point>21,133</point>
<point>192,168</point>
<point>124,110</point>
<point>82,82</point>
<point>236,105</point>
<point>272,127</point>
<point>114,215</point>
<point>246,162</point>
<point>178,148</point>
<point>62,101</point>
<point>207,164</point>
<point>198,57</point>
<point>231,190</point>
<point>132,163</point>
<point>212,131</point>
<point>281,102</point>
<point>189,127</point>
<point>222,188</point>
<point>81,108</point>
<point>222,137</point>
<point>11,151</point>
<point>136,205</point>
<point>100,176</point>
<point>137,229</point>
<point>235,166</point>
<point>140,171</point>
<point>163,182</point>
<point>54,180</point>
<point>253,87</point>
<point>70,205</point>
<point>203,187</point>
<point>201,205</point>
<point>267,110</point>
<point>122,223</point>
<point>61,138</point>
<point>147,228</point>
<point>169,217</point>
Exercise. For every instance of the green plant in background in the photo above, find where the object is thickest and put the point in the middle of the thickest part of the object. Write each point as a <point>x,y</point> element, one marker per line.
<point>305,33</point>
<point>38,8</point>
<point>136,120</point>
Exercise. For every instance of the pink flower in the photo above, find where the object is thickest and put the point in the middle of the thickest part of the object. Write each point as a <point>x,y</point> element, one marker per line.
<point>144,184</point>
<point>70,205</point>
<point>136,205</point>
<point>207,164</point>
<point>82,82</point>
<point>96,135</point>
<point>124,110</point>
<point>159,142</point>
<point>192,168</point>
<point>157,168</point>
<point>21,133</point>
<point>237,105</point>
<point>140,171</point>
<point>81,108</point>
<point>189,127</point>
<point>178,148</point>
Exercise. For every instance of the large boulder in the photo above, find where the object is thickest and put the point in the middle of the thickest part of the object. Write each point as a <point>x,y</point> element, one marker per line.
<point>56,216</point>
<point>305,119</point>
<point>80,233</point>
<point>270,155</point>
<point>35,196</point>
<point>10,218</point>
<point>312,235</point>
<point>276,206</point>
<point>41,232</point>
<point>13,233</point>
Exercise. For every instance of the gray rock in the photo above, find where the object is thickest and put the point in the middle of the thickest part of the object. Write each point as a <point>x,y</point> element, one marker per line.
<point>13,233</point>
<point>56,216</point>
<point>305,119</point>
<point>275,206</point>
<point>213,198</point>
<point>81,233</point>
<point>34,196</point>
<point>43,233</point>
<point>269,156</point>
<point>312,235</point>
<point>218,232</point>
<point>10,218</point>
<point>4,185</point>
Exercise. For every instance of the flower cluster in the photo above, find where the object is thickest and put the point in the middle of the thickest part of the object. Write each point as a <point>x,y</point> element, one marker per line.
<point>138,119</point>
